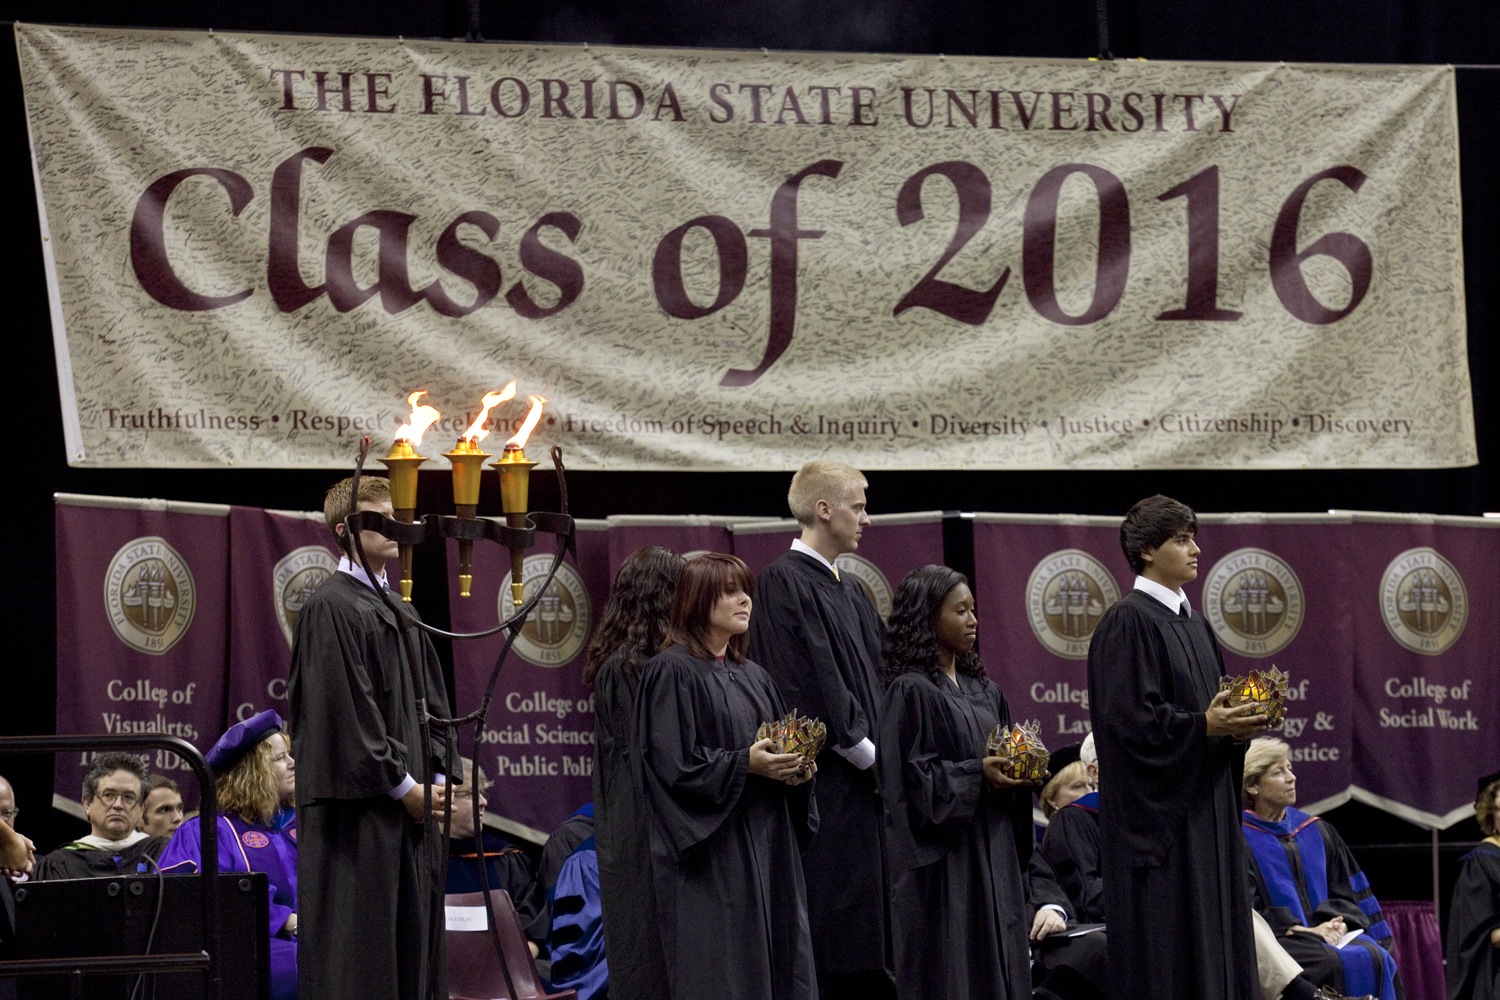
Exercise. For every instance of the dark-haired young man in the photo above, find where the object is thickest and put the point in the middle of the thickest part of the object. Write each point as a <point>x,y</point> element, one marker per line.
<point>163,813</point>
<point>1170,751</point>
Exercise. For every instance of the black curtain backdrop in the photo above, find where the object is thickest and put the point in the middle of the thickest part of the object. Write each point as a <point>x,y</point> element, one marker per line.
<point>1384,31</point>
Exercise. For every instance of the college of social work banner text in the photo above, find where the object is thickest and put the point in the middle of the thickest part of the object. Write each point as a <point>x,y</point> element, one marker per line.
<point>257,246</point>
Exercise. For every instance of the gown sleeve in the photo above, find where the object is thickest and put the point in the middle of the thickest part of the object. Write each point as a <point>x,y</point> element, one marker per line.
<point>1349,892</point>
<point>936,797</point>
<point>791,640</point>
<point>341,730</point>
<point>1072,846</point>
<point>693,788</point>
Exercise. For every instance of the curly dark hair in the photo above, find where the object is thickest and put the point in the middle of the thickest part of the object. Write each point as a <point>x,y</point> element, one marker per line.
<point>1150,523</point>
<point>706,578</point>
<point>634,621</point>
<point>910,643</point>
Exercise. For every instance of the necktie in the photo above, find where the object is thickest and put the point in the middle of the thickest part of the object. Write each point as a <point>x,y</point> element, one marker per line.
<point>1183,612</point>
<point>836,573</point>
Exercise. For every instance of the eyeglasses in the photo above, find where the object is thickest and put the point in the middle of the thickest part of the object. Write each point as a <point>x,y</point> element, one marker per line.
<point>127,799</point>
<point>9,815</point>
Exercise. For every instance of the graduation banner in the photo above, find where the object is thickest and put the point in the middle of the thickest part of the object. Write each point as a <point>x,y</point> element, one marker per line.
<point>276,560</point>
<point>142,627</point>
<point>256,246</point>
<point>537,744</point>
<point>1425,592</point>
<point>891,547</point>
<point>686,536</point>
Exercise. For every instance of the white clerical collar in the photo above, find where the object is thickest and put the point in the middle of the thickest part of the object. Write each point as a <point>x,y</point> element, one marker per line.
<point>1172,599</point>
<point>798,545</point>
<point>354,569</point>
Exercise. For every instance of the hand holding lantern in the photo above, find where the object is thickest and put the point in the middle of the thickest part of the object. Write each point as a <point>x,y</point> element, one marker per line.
<point>1021,751</point>
<point>1264,689</point>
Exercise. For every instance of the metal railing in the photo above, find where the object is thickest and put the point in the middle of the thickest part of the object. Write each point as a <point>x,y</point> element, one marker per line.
<point>206,961</point>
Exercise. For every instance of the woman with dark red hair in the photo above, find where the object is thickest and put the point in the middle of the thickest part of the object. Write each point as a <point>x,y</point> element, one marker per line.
<point>729,818</point>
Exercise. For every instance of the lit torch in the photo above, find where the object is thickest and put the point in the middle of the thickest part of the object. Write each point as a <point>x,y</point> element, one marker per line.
<point>515,483</point>
<point>402,463</point>
<point>468,464</point>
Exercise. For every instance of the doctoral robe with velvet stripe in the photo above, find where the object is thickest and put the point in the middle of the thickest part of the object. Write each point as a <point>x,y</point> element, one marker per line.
<point>250,847</point>
<point>1304,874</point>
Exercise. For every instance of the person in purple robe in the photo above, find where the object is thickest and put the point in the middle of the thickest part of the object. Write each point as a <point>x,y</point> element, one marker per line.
<point>255,779</point>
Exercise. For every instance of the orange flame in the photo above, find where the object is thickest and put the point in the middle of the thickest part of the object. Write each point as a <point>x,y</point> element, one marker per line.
<point>422,417</point>
<point>518,442</point>
<point>477,432</point>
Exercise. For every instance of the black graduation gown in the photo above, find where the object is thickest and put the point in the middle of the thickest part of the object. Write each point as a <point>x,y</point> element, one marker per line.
<point>819,639</point>
<point>956,845</point>
<point>724,843</point>
<point>79,860</point>
<point>1076,968</point>
<point>1071,845</point>
<point>364,880</point>
<point>1474,963</point>
<point>1173,860</point>
<point>637,967</point>
<point>502,864</point>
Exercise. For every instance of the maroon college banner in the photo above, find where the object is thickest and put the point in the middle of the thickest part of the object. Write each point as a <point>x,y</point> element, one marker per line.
<point>1278,590</point>
<point>891,547</point>
<point>141,627</point>
<point>537,745</point>
<point>1424,596</point>
<point>1367,614</point>
<point>684,535</point>
<point>276,559</point>
<point>1041,584</point>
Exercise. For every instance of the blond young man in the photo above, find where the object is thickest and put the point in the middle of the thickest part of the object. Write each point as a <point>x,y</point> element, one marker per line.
<point>818,636</point>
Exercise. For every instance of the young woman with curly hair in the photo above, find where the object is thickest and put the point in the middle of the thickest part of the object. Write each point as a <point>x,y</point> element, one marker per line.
<point>629,633</point>
<point>255,782</point>
<point>728,817</point>
<point>960,829</point>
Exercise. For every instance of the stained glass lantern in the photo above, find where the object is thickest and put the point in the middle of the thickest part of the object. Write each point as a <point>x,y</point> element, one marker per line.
<point>1265,689</point>
<point>1021,749</point>
<point>793,733</point>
